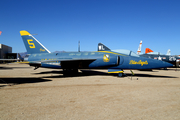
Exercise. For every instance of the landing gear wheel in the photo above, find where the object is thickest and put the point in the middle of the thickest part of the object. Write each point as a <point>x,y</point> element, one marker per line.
<point>120,74</point>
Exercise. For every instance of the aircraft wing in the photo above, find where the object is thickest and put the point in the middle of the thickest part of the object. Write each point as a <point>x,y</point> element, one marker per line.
<point>65,63</point>
<point>77,63</point>
<point>62,60</point>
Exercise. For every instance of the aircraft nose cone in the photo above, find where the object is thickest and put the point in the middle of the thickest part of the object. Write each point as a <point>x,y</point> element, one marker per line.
<point>166,64</point>
<point>160,64</point>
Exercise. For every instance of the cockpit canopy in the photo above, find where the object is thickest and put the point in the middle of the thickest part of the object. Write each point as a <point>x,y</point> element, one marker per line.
<point>126,52</point>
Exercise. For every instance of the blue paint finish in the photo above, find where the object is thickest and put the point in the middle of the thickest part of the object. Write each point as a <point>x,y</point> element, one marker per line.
<point>33,46</point>
<point>98,62</point>
<point>114,70</point>
<point>46,65</point>
<point>41,57</point>
<point>152,64</point>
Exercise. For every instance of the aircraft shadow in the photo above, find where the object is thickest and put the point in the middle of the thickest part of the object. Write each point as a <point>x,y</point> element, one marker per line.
<point>147,71</point>
<point>3,68</point>
<point>50,72</point>
<point>96,73</point>
<point>7,68</point>
<point>80,74</point>
<point>149,75</point>
<point>14,81</point>
<point>173,69</point>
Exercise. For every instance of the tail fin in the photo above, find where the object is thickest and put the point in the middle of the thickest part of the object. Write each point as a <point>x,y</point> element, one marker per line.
<point>139,48</point>
<point>148,50</point>
<point>102,47</point>
<point>32,44</point>
<point>168,52</point>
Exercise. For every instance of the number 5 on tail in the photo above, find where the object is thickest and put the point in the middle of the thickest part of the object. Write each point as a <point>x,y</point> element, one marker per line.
<point>31,45</point>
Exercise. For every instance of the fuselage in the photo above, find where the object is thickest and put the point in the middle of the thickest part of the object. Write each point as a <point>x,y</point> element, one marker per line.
<point>95,60</point>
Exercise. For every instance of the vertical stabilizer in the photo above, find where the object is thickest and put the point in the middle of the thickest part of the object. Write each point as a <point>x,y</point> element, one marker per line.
<point>102,47</point>
<point>168,52</point>
<point>139,48</point>
<point>148,50</point>
<point>32,44</point>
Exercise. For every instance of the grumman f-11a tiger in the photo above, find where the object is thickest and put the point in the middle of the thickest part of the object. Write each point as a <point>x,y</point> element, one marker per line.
<point>115,62</point>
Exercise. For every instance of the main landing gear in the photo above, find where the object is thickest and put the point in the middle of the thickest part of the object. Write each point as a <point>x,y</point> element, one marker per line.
<point>120,74</point>
<point>70,72</point>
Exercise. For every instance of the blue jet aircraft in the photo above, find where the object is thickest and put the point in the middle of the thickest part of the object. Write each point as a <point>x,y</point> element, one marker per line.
<point>115,62</point>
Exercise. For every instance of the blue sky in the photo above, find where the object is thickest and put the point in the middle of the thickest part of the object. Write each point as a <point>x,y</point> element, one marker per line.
<point>119,24</point>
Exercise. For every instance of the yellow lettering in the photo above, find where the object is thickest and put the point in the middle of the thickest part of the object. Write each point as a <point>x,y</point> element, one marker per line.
<point>139,62</point>
<point>42,49</point>
<point>31,45</point>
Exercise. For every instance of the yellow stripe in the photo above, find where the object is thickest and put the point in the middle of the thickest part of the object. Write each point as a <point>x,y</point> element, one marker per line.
<point>116,72</point>
<point>111,53</point>
<point>23,32</point>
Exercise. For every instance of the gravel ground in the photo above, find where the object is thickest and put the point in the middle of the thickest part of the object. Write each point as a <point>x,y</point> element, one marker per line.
<point>95,95</point>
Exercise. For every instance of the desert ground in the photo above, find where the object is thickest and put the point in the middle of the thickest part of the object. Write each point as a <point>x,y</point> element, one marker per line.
<point>92,95</point>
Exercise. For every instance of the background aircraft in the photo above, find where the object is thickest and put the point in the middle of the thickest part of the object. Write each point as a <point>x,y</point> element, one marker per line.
<point>139,48</point>
<point>147,50</point>
<point>175,60</point>
<point>115,62</point>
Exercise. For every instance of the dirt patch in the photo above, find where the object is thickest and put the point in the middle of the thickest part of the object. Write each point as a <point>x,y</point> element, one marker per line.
<point>47,94</point>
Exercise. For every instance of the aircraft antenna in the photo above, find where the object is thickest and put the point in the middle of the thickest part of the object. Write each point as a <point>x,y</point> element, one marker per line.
<point>79,46</point>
